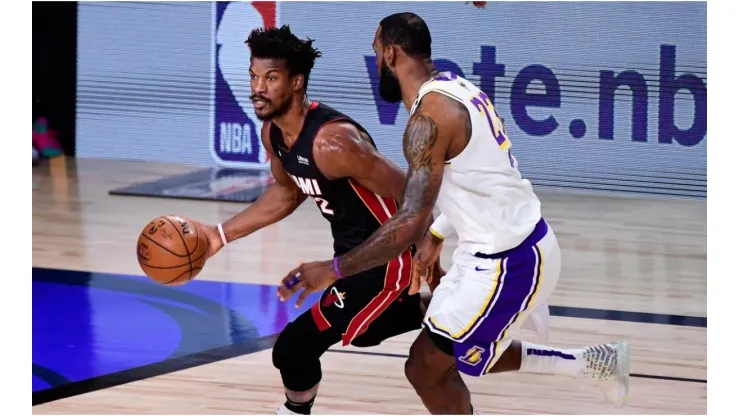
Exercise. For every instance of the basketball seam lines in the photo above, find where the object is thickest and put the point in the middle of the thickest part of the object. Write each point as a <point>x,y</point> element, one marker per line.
<point>165,248</point>
<point>197,268</point>
<point>197,239</point>
<point>201,256</point>
<point>169,267</point>
<point>186,249</point>
<point>161,267</point>
<point>195,250</point>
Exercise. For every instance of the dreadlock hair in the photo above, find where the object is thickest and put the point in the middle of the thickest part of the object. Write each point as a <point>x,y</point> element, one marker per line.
<point>409,32</point>
<point>281,43</point>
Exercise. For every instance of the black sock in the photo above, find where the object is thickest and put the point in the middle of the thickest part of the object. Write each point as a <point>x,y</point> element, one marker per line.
<point>301,408</point>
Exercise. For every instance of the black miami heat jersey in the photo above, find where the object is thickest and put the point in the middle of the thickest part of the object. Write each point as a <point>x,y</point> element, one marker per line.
<point>353,211</point>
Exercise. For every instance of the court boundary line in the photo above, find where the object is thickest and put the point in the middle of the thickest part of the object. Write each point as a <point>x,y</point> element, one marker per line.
<point>160,368</point>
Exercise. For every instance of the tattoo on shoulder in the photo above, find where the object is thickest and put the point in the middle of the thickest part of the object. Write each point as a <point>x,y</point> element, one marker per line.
<point>419,140</point>
<point>423,181</point>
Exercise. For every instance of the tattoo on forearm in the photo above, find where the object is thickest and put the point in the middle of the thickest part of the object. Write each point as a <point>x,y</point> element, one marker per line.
<point>422,185</point>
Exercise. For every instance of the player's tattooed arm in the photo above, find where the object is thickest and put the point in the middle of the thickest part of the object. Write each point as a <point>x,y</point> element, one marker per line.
<point>341,150</point>
<point>427,136</point>
<point>279,200</point>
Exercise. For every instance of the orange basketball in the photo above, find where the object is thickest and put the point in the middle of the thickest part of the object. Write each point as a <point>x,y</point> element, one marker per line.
<point>171,250</point>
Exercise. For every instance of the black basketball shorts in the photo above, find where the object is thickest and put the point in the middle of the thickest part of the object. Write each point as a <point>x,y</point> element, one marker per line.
<point>369,307</point>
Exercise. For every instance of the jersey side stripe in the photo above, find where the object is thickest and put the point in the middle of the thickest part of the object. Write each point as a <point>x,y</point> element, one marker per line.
<point>373,203</point>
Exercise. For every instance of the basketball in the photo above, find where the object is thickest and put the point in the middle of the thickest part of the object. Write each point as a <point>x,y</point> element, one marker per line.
<point>171,250</point>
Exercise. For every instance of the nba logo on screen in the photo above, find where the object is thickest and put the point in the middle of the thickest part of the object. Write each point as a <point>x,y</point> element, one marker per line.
<point>235,139</point>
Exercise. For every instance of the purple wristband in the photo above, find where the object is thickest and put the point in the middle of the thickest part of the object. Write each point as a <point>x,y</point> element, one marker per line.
<point>336,268</point>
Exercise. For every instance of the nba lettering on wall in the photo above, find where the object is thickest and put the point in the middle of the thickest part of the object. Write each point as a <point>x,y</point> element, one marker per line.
<point>235,140</point>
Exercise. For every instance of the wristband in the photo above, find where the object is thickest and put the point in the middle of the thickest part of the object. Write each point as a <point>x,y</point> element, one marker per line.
<point>223,236</point>
<point>336,268</point>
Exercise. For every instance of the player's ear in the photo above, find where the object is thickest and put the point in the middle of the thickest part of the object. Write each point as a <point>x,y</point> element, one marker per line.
<point>298,82</point>
<point>389,55</point>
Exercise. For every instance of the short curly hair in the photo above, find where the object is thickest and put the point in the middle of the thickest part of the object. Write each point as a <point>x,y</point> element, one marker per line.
<point>281,43</point>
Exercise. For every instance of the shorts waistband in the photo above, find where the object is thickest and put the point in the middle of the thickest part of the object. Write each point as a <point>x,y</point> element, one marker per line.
<point>540,230</point>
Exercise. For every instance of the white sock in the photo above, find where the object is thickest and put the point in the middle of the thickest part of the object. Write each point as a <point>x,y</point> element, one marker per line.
<point>549,360</point>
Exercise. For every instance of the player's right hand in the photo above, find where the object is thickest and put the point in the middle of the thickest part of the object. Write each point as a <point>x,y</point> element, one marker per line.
<point>425,261</point>
<point>214,238</point>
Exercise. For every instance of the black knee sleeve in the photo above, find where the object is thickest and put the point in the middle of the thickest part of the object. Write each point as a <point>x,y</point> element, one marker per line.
<point>442,343</point>
<point>301,378</point>
<point>296,354</point>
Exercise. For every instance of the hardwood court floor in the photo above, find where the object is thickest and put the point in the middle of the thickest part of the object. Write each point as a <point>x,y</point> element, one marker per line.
<point>629,266</point>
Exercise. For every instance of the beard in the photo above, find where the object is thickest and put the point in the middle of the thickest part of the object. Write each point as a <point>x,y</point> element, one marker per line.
<point>275,112</point>
<point>390,87</point>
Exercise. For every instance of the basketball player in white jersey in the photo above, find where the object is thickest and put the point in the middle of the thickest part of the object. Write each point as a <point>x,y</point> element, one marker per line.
<point>508,259</point>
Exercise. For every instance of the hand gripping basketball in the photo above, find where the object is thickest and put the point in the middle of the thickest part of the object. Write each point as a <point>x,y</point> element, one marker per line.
<point>172,250</point>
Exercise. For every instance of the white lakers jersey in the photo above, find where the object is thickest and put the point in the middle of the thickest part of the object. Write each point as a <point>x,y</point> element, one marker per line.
<point>483,195</point>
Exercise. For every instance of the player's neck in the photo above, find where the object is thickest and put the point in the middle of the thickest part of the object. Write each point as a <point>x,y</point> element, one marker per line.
<point>291,123</point>
<point>416,75</point>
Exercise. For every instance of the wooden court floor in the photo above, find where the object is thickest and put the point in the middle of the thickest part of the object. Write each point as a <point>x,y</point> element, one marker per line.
<point>633,267</point>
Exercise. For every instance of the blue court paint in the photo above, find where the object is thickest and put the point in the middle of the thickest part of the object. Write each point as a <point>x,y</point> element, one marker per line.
<point>88,325</point>
<point>94,330</point>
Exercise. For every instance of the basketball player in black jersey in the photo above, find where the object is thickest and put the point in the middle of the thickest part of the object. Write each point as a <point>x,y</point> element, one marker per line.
<point>319,153</point>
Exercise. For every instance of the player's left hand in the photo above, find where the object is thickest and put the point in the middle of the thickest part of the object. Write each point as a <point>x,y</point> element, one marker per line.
<point>309,277</point>
<point>425,265</point>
